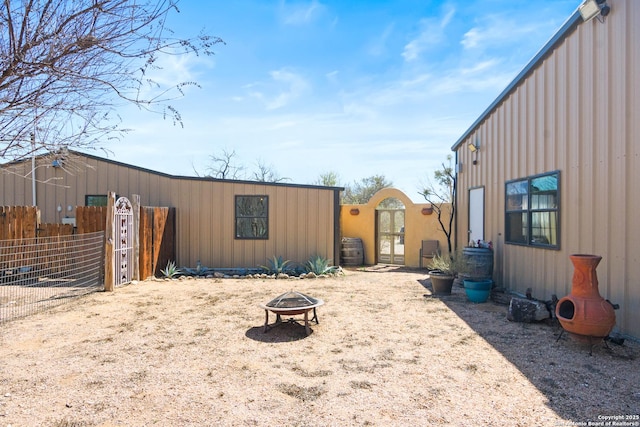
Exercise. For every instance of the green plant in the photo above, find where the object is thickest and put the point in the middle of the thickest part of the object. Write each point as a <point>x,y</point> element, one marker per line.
<point>320,265</point>
<point>277,265</point>
<point>443,263</point>
<point>171,270</point>
<point>454,263</point>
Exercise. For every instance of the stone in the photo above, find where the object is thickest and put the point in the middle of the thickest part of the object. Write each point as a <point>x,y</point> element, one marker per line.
<point>527,310</point>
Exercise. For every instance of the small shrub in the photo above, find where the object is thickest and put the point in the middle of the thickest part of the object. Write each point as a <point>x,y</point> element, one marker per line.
<point>277,265</point>
<point>319,265</point>
<point>442,263</point>
<point>452,263</point>
<point>171,270</point>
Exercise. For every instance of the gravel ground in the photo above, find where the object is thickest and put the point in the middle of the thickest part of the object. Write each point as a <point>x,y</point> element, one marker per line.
<point>385,353</point>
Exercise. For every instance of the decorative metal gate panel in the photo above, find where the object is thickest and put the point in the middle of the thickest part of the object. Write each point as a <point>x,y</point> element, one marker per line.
<point>123,245</point>
<point>390,236</point>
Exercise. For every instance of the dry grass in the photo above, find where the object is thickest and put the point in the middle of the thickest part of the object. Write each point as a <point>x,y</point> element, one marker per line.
<point>385,353</point>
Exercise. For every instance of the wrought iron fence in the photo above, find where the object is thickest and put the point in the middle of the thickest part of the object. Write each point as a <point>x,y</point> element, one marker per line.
<point>38,274</point>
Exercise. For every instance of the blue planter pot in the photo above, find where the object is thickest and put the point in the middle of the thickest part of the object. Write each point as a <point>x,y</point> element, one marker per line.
<point>478,290</point>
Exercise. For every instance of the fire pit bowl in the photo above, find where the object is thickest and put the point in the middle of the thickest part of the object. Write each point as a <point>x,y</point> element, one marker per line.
<point>291,304</point>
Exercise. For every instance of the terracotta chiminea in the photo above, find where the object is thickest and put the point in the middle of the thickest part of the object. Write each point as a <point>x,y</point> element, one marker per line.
<point>584,312</point>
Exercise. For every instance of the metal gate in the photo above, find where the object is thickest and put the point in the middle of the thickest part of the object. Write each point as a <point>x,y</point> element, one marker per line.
<point>123,245</point>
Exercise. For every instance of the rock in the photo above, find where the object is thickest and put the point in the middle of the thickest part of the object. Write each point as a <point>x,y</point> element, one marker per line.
<point>311,275</point>
<point>500,296</point>
<point>527,311</point>
<point>218,275</point>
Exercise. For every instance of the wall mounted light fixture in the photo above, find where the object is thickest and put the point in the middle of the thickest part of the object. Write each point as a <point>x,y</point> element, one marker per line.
<point>474,147</point>
<point>590,9</point>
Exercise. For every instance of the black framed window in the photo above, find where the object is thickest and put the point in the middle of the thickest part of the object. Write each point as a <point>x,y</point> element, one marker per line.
<point>96,200</point>
<point>532,211</point>
<point>252,217</point>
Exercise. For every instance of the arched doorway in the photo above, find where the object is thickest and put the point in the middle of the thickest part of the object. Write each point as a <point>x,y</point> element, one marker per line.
<point>390,230</point>
<point>365,221</point>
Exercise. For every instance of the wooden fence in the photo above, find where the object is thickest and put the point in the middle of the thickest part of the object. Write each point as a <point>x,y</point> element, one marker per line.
<point>90,219</point>
<point>23,222</point>
<point>157,231</point>
<point>157,239</point>
<point>18,222</point>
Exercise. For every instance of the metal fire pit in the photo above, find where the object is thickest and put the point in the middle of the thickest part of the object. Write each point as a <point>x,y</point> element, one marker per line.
<point>291,304</point>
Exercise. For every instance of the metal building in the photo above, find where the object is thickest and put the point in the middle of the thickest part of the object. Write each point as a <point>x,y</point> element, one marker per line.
<point>551,168</point>
<point>221,223</point>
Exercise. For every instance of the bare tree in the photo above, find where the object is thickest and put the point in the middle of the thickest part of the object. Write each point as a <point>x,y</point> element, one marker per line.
<point>441,196</point>
<point>223,166</point>
<point>328,179</point>
<point>66,65</point>
<point>267,173</point>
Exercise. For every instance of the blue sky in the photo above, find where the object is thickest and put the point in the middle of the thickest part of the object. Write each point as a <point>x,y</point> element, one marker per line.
<point>359,88</point>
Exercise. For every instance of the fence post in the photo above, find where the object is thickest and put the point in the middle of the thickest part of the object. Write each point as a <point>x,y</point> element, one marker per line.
<point>136,236</point>
<point>109,235</point>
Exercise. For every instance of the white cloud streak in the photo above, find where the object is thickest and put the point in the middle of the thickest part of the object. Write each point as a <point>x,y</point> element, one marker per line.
<point>431,34</point>
<point>300,14</point>
<point>284,88</point>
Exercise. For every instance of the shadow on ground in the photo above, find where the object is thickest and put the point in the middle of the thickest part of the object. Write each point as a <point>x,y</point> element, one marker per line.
<point>286,331</point>
<point>556,363</point>
<point>388,268</point>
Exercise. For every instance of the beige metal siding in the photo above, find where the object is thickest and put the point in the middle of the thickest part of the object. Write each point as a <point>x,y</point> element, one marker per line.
<point>300,225</point>
<point>577,112</point>
<point>301,218</point>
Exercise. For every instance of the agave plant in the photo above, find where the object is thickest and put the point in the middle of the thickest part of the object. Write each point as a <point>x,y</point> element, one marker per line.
<point>319,265</point>
<point>171,270</point>
<point>277,265</point>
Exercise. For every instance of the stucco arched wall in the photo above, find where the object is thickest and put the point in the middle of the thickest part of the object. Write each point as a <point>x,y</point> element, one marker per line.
<point>418,225</point>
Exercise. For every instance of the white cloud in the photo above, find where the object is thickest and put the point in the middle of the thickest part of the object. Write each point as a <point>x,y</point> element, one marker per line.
<point>499,30</point>
<point>431,34</point>
<point>332,76</point>
<point>300,14</point>
<point>377,46</point>
<point>284,87</point>
<point>282,124</point>
<point>172,70</point>
<point>294,87</point>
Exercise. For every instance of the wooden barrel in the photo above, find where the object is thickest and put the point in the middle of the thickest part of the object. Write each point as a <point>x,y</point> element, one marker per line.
<point>479,262</point>
<point>352,251</point>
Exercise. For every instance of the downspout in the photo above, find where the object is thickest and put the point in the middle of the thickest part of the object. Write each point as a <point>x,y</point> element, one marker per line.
<point>33,168</point>
<point>336,226</point>
<point>455,202</point>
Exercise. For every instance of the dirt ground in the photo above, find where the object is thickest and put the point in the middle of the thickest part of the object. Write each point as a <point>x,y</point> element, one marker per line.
<point>385,353</point>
